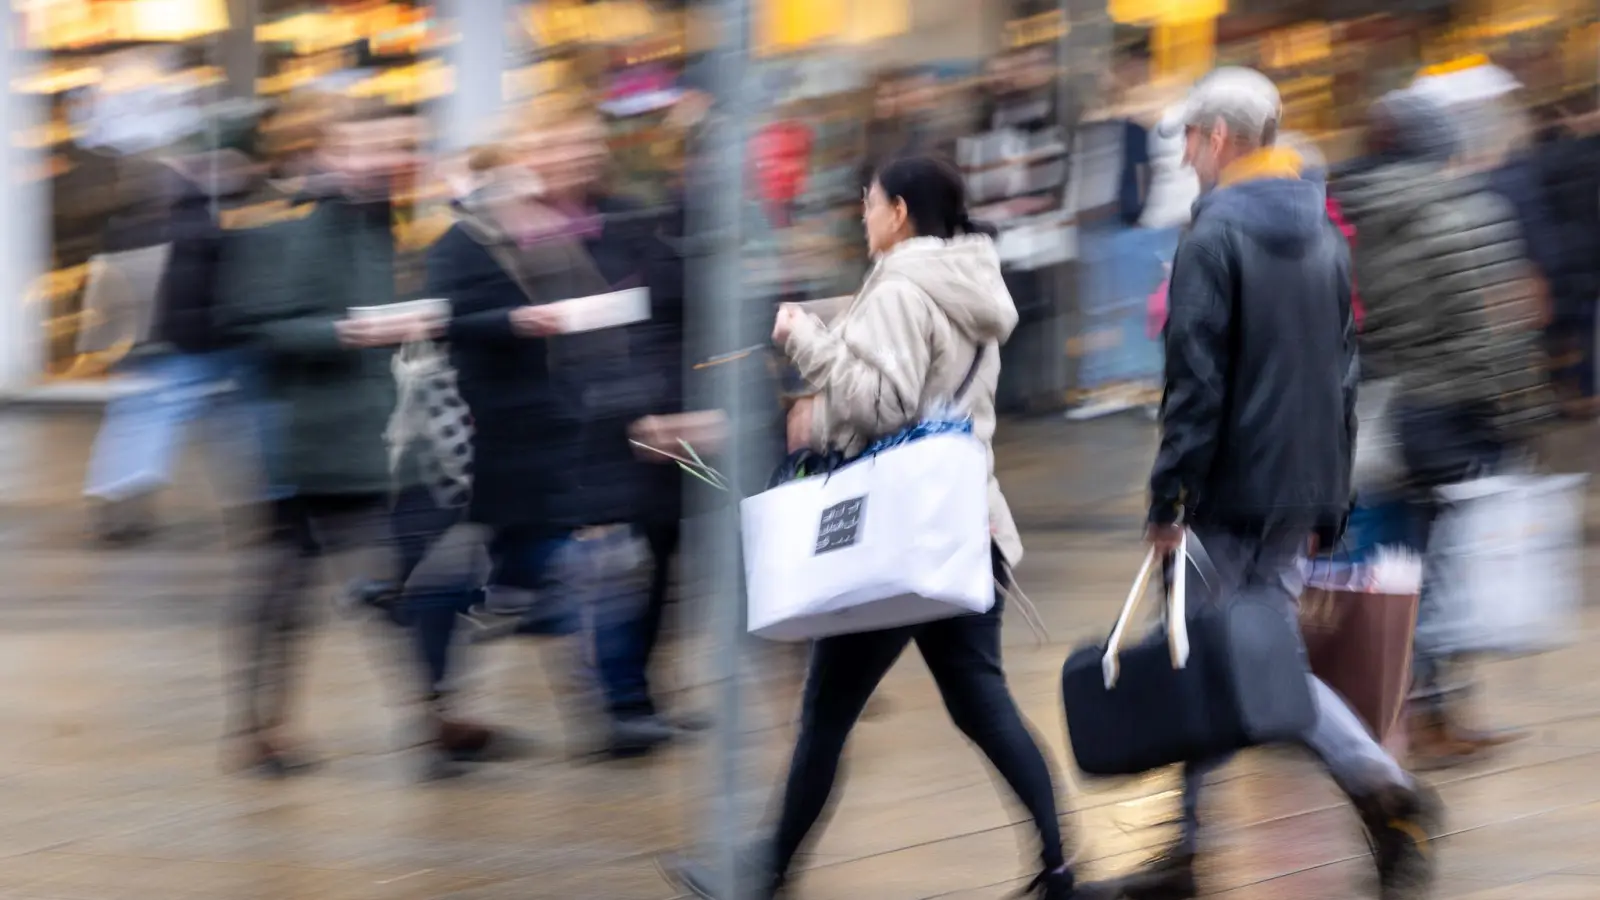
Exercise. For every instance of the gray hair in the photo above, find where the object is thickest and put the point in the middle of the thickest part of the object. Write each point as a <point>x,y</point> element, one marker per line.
<point>1244,100</point>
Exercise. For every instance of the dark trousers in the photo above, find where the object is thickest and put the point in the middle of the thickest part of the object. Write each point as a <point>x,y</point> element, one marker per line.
<point>1440,445</point>
<point>418,523</point>
<point>1571,341</point>
<point>276,610</point>
<point>963,654</point>
<point>1266,564</point>
<point>445,561</point>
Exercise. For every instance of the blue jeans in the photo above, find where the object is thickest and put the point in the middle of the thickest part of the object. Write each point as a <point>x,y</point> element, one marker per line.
<point>1121,267</point>
<point>433,597</point>
<point>1381,521</point>
<point>138,440</point>
<point>619,609</point>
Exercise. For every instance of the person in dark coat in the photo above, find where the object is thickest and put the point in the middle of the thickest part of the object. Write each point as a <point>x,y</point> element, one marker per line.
<point>1568,166</point>
<point>1257,432</point>
<point>556,481</point>
<point>631,245</point>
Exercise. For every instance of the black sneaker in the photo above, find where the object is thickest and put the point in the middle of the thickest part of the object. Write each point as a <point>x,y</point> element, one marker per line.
<point>369,594</point>
<point>1400,825</point>
<point>124,522</point>
<point>1063,886</point>
<point>637,736</point>
<point>691,722</point>
<point>1169,876</point>
<point>703,881</point>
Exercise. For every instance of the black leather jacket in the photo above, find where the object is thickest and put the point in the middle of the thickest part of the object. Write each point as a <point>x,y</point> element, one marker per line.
<point>1258,418</point>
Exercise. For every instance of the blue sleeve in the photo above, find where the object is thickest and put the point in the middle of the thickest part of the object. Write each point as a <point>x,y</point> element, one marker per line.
<point>1136,146</point>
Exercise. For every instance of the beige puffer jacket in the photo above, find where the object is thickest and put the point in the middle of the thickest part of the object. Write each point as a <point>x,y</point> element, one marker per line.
<point>903,346</point>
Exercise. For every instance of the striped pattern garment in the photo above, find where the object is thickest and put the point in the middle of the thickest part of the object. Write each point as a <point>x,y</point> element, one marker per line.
<point>1452,305</point>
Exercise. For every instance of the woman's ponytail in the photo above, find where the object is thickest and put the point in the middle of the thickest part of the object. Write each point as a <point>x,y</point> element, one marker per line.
<point>968,225</point>
<point>935,196</point>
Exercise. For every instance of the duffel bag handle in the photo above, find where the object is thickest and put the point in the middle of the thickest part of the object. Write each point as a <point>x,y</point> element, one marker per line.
<point>1178,604</point>
<point>1177,611</point>
<point>1109,665</point>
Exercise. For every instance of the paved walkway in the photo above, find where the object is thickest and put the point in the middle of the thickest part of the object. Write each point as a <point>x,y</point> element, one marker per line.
<point>110,711</point>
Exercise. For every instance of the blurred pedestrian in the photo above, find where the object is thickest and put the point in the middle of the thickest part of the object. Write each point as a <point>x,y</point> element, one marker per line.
<point>570,505</point>
<point>329,369</point>
<point>1256,433</point>
<point>926,325</point>
<point>638,368</point>
<point>1125,240</point>
<point>1568,164</point>
<point>123,189</point>
<point>189,367</point>
<point>1453,310</point>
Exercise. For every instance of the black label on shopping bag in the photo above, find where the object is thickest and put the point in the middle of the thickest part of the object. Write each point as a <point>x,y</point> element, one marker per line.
<point>840,526</point>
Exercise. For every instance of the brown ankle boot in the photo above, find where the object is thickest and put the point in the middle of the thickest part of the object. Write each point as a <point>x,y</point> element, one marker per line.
<point>265,755</point>
<point>1483,740</point>
<point>464,740</point>
<point>1434,746</point>
<point>459,737</point>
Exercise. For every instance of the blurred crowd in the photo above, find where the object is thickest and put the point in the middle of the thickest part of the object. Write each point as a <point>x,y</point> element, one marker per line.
<point>499,428</point>
<point>508,477</point>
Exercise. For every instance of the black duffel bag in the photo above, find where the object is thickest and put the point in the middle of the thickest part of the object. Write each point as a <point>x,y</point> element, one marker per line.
<point>1228,675</point>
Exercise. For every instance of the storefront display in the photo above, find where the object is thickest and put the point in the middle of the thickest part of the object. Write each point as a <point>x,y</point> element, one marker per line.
<point>124,85</point>
<point>102,82</point>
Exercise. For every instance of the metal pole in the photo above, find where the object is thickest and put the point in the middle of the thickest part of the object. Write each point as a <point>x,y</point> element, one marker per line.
<point>722,319</point>
<point>240,56</point>
<point>1083,61</point>
<point>25,197</point>
<point>478,57</point>
<point>1084,56</point>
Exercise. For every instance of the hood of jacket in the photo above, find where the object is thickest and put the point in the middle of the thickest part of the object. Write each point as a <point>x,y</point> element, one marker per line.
<point>1266,196</point>
<point>1380,200</point>
<point>472,213</point>
<point>962,276</point>
<point>221,174</point>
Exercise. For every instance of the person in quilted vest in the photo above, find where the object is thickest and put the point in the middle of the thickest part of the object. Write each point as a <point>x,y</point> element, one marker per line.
<point>1452,315</point>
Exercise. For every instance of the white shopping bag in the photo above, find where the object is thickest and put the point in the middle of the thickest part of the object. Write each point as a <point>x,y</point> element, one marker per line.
<point>1377,465</point>
<point>1508,554</point>
<point>121,296</point>
<point>895,538</point>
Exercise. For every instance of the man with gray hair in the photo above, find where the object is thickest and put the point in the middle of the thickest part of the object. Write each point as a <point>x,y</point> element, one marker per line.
<point>1257,429</point>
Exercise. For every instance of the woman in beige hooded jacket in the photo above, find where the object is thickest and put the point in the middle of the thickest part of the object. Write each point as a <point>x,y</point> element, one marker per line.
<point>933,308</point>
<point>906,342</point>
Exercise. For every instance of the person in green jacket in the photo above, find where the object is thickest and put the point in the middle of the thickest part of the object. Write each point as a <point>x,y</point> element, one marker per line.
<point>329,378</point>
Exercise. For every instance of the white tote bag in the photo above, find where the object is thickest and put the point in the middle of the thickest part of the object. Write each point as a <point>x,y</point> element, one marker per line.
<point>120,298</point>
<point>895,538</point>
<point>1377,465</point>
<point>1508,556</point>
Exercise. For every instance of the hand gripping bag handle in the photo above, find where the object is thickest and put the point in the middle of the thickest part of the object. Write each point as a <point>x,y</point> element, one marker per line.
<point>1177,608</point>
